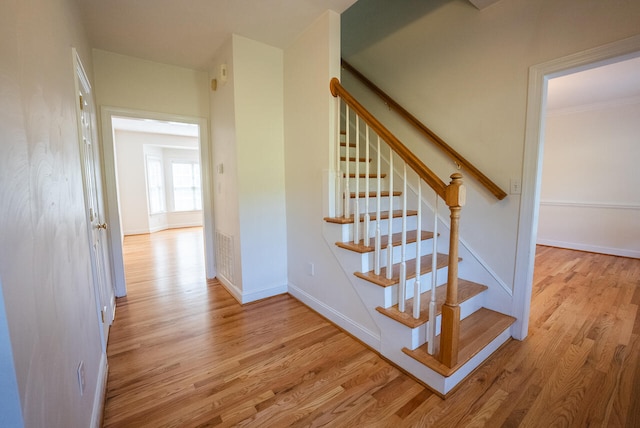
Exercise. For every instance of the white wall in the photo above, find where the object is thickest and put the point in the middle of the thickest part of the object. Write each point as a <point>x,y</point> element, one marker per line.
<point>589,198</point>
<point>248,141</point>
<point>132,183</point>
<point>309,64</point>
<point>44,251</point>
<point>132,149</point>
<point>464,73</point>
<point>258,74</point>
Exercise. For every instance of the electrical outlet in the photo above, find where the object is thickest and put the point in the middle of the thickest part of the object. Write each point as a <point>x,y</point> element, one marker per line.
<point>81,377</point>
<point>515,186</point>
<point>311,269</point>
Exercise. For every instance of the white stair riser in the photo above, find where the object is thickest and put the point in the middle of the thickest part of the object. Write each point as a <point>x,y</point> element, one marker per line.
<point>373,184</point>
<point>425,285</point>
<point>368,259</point>
<point>384,203</point>
<point>396,226</point>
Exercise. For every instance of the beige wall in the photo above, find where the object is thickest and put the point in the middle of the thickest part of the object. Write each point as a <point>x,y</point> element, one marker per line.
<point>45,266</point>
<point>133,83</point>
<point>464,72</point>
<point>589,198</point>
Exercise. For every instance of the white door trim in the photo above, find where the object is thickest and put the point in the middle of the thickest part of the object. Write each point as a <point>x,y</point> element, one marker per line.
<point>106,115</point>
<point>532,169</point>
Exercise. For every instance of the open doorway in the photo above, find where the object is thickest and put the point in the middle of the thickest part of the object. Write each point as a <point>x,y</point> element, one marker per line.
<point>589,198</point>
<point>156,170</point>
<point>539,76</point>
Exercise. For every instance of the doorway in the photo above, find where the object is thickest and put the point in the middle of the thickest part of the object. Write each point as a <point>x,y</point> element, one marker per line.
<point>111,119</point>
<point>539,76</point>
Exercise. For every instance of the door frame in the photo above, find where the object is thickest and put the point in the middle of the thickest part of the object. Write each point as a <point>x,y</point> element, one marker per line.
<point>539,75</point>
<point>113,206</point>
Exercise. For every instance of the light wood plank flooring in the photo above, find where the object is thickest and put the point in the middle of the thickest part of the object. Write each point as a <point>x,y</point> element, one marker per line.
<point>183,353</point>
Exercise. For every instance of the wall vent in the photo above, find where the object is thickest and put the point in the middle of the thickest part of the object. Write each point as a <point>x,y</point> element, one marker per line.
<point>224,256</point>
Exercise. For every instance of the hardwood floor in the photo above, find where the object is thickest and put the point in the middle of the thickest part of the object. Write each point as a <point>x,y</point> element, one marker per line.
<point>183,353</point>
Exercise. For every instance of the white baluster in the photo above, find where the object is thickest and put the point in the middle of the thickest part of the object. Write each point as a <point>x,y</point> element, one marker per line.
<point>347,195</point>
<point>416,284</point>
<point>402,287</point>
<point>376,253</point>
<point>338,210</point>
<point>390,222</point>
<point>367,216</point>
<point>356,205</point>
<point>431,332</point>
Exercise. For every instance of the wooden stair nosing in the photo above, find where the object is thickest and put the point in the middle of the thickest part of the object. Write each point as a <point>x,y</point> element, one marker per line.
<point>396,239</point>
<point>476,332</point>
<point>363,175</point>
<point>425,267</point>
<point>384,215</point>
<point>466,290</point>
<point>353,159</point>
<point>383,194</point>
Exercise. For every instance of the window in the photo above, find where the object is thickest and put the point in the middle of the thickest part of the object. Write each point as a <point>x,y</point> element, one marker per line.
<point>155,183</point>
<point>187,195</point>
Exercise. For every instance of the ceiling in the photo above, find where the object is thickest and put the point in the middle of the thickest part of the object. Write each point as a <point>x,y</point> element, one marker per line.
<point>188,33</point>
<point>604,84</point>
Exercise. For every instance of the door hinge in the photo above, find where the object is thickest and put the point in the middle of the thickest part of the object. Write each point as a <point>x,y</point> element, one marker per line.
<point>102,315</point>
<point>81,102</point>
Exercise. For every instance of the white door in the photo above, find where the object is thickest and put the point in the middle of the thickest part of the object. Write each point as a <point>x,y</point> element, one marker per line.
<point>96,221</point>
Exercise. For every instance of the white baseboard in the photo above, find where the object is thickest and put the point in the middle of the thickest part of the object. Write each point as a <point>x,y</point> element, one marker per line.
<point>264,293</point>
<point>622,252</point>
<point>243,298</point>
<point>367,336</point>
<point>101,392</point>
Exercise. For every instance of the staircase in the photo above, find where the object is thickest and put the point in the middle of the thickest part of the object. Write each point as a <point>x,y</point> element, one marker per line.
<point>471,332</point>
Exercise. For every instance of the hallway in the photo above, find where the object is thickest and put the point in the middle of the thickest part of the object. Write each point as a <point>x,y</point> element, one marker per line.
<point>183,352</point>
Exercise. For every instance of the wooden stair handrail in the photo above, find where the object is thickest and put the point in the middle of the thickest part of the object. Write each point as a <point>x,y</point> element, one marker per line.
<point>410,159</point>
<point>439,142</point>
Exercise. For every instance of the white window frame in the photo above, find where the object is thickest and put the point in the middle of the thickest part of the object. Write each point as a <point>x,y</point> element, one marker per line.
<point>160,188</point>
<point>196,185</point>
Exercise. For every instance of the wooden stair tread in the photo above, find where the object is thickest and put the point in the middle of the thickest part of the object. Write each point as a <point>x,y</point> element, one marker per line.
<point>363,175</point>
<point>383,194</point>
<point>353,159</point>
<point>396,239</point>
<point>343,144</point>
<point>383,216</point>
<point>466,290</point>
<point>442,260</point>
<point>476,332</point>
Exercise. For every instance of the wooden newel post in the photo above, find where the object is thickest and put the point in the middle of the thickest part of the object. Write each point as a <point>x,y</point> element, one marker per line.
<point>450,335</point>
